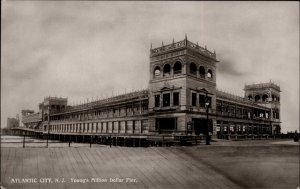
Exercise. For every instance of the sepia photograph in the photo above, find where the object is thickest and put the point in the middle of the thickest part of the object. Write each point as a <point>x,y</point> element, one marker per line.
<point>149,94</point>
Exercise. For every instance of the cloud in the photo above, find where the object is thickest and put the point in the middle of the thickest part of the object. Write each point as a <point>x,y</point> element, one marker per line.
<point>230,67</point>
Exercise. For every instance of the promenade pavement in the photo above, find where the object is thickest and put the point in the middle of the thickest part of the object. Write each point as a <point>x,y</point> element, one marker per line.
<point>223,164</point>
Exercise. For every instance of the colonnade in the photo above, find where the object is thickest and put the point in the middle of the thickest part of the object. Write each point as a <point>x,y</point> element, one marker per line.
<point>232,128</point>
<point>124,126</point>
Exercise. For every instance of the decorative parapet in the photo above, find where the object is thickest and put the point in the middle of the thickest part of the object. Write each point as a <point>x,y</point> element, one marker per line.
<point>168,47</point>
<point>181,44</point>
<point>262,85</point>
<point>201,49</point>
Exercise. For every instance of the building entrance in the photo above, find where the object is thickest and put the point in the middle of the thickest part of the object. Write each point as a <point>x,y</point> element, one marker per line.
<point>200,126</point>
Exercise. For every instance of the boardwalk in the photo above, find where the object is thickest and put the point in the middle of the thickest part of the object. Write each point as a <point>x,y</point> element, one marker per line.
<point>219,166</point>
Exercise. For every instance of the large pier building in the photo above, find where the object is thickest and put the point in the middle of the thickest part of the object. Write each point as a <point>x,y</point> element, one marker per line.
<point>181,99</point>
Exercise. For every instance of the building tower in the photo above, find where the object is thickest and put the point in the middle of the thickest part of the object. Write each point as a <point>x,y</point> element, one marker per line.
<point>181,75</point>
<point>268,95</point>
<point>49,106</point>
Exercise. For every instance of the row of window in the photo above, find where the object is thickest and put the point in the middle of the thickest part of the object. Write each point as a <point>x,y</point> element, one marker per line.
<point>264,98</point>
<point>105,113</point>
<point>244,112</point>
<point>177,69</point>
<point>245,115</point>
<point>203,100</point>
<point>166,99</point>
<point>56,107</point>
<point>202,72</point>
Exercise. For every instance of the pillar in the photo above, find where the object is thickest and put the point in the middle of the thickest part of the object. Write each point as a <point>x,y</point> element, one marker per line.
<point>221,128</point>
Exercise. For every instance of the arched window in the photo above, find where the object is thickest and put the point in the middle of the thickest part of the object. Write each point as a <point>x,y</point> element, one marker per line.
<point>265,98</point>
<point>250,97</point>
<point>209,74</point>
<point>202,72</point>
<point>177,68</point>
<point>257,98</point>
<point>167,70</point>
<point>156,72</point>
<point>193,68</point>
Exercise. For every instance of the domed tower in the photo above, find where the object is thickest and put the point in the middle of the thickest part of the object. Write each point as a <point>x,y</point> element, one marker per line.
<point>268,95</point>
<point>182,74</point>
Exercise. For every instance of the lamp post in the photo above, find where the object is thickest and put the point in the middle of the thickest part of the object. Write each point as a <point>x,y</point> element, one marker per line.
<point>207,103</point>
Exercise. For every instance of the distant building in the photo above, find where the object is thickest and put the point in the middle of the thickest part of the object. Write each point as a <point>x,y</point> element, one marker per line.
<point>13,122</point>
<point>181,97</point>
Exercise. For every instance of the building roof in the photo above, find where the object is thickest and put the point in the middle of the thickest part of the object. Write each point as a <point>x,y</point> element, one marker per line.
<point>141,94</point>
<point>262,85</point>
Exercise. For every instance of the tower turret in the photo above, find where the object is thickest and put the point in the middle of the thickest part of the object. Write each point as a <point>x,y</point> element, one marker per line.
<point>268,95</point>
<point>181,73</point>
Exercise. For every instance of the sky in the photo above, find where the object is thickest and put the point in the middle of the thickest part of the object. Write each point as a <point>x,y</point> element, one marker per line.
<point>96,49</point>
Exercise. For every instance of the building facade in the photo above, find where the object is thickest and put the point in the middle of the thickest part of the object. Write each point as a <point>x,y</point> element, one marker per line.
<point>181,99</point>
